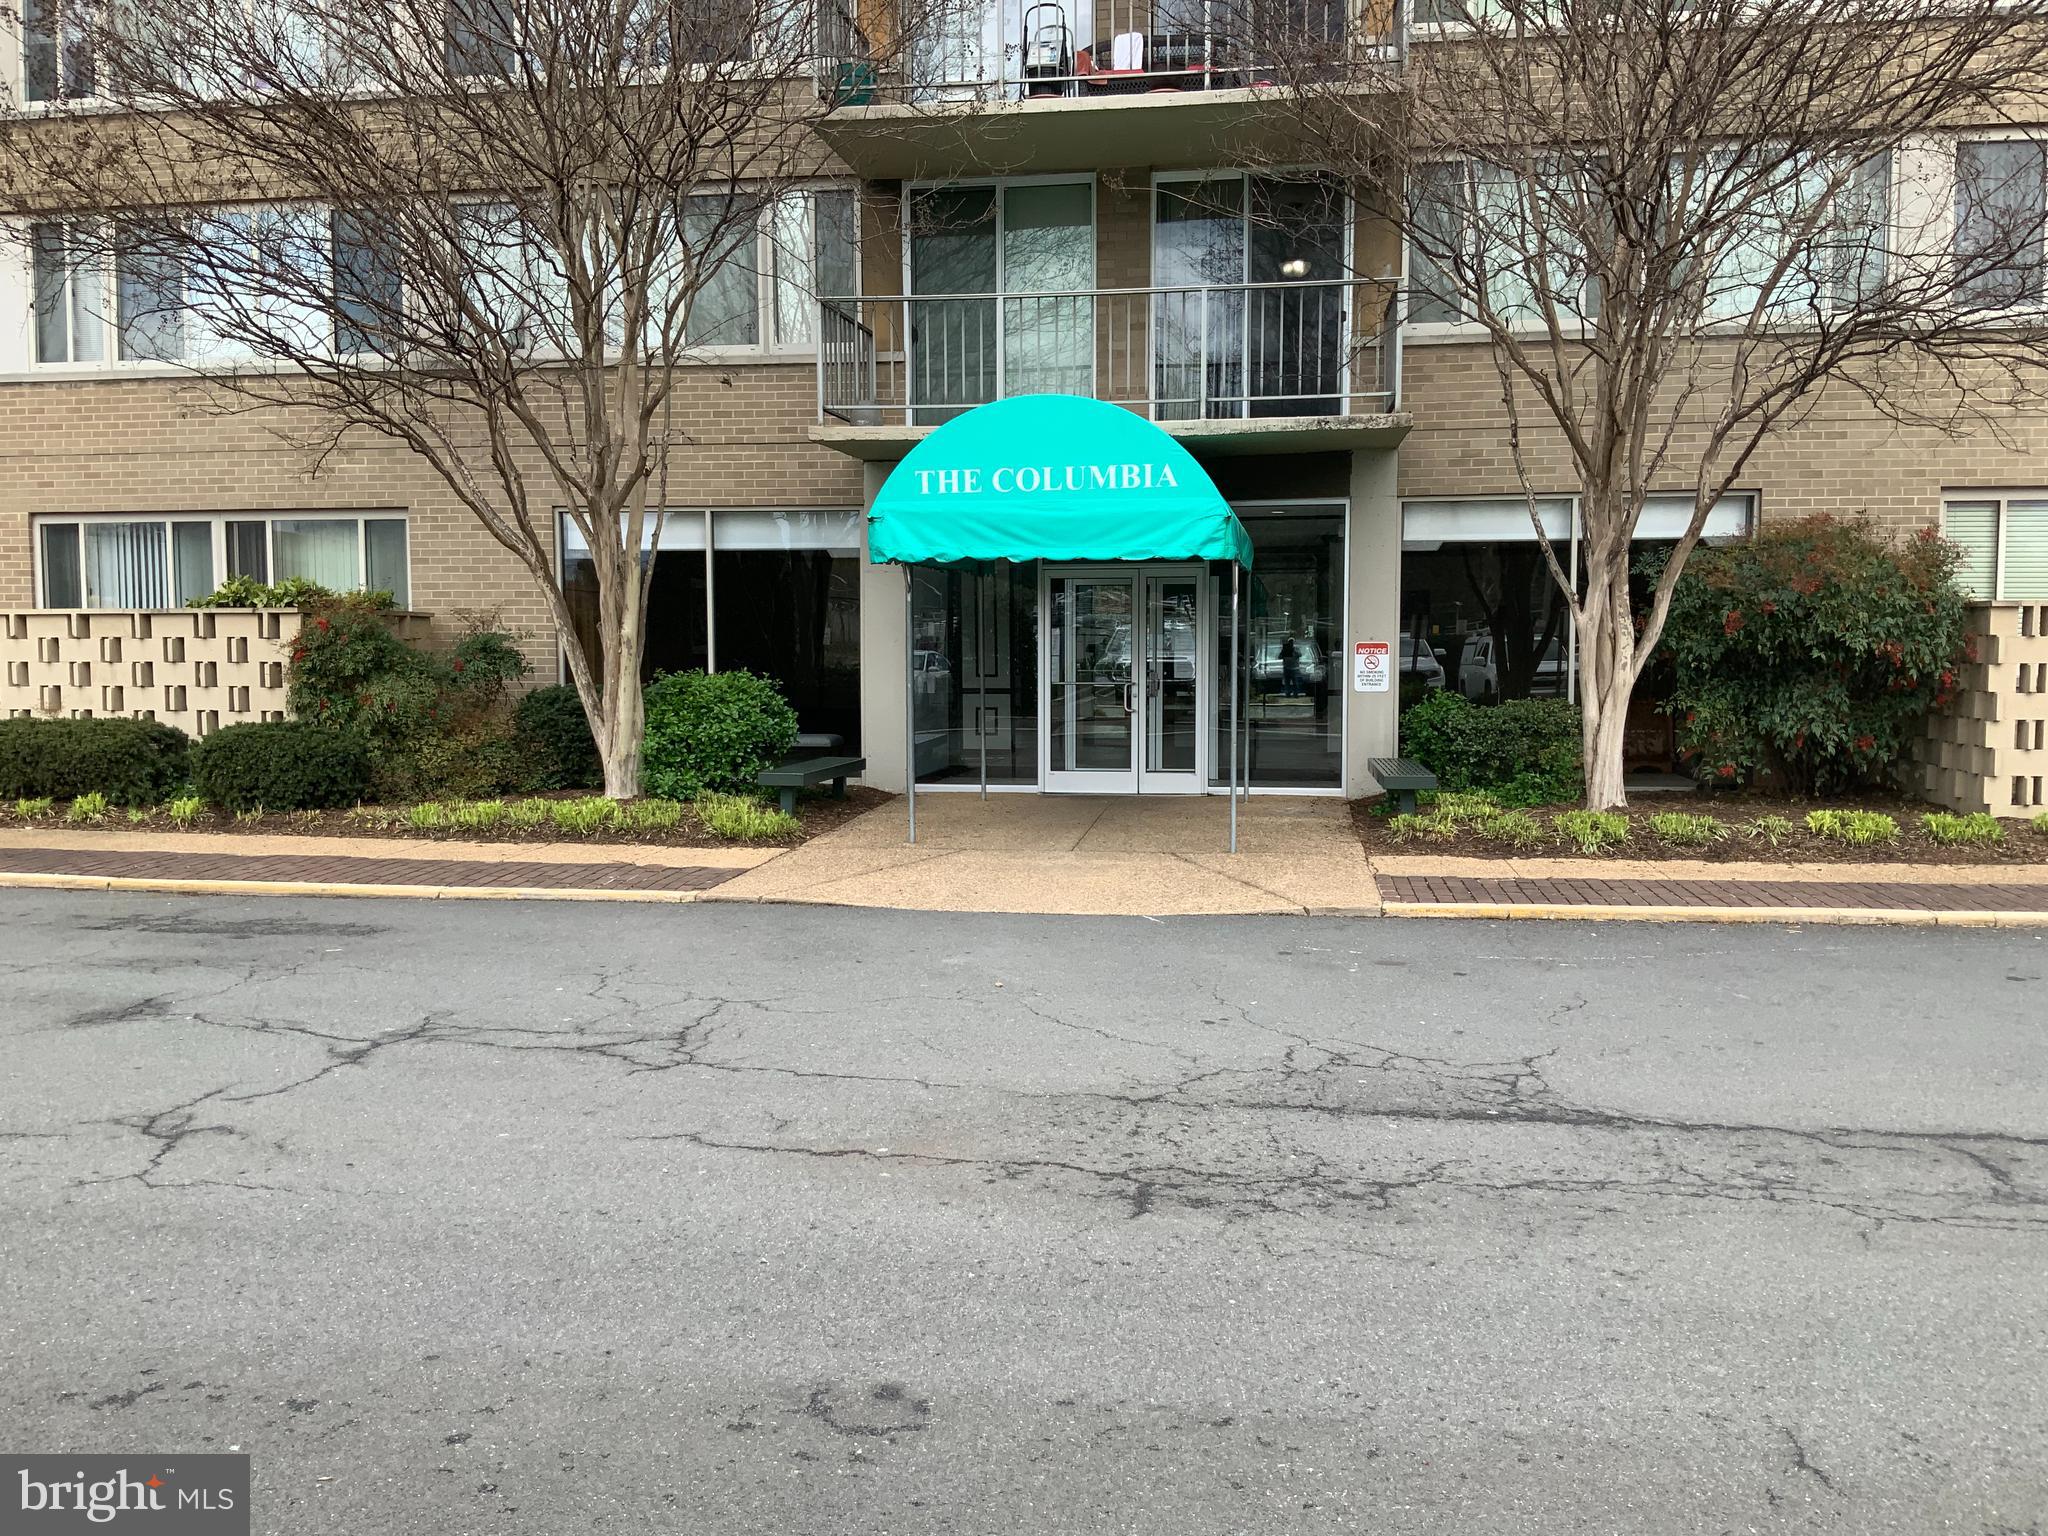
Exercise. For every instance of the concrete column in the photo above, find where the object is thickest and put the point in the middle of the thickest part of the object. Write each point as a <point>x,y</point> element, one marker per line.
<point>1372,546</point>
<point>882,641</point>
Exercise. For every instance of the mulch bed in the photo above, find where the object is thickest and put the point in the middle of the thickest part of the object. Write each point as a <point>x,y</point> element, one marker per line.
<point>2022,845</point>
<point>817,814</point>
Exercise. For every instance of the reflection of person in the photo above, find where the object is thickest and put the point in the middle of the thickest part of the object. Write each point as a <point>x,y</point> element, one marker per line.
<point>1290,668</point>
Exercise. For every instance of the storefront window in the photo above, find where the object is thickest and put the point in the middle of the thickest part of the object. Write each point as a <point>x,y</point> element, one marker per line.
<point>1292,623</point>
<point>783,588</point>
<point>975,669</point>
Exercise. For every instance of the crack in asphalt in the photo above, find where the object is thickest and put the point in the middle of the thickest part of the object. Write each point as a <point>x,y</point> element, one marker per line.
<point>1329,1078</point>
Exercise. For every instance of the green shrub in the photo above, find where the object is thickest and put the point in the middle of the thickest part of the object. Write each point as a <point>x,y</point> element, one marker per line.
<point>1518,829</point>
<point>1815,650</point>
<point>654,815</point>
<point>1687,829</point>
<point>1524,752</point>
<point>280,765</point>
<point>88,808</point>
<point>131,762</point>
<point>592,813</point>
<point>470,757</point>
<point>1769,830</point>
<point>36,808</point>
<point>552,740</point>
<point>2040,824</point>
<point>1592,831</point>
<point>429,816</point>
<point>292,592</point>
<point>745,818</point>
<point>1979,829</point>
<point>527,815</point>
<point>1859,827</point>
<point>713,731</point>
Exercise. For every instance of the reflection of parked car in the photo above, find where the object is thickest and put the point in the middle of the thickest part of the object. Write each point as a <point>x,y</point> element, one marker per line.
<point>1420,664</point>
<point>932,670</point>
<point>1479,675</point>
<point>1269,666</point>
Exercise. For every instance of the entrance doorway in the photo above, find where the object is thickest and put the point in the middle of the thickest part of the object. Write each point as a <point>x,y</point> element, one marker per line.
<point>1125,679</point>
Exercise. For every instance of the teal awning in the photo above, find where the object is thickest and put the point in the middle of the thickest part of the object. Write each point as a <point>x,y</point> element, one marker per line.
<point>1051,477</point>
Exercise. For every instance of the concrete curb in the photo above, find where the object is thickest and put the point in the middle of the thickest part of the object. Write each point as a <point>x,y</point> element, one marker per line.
<point>323,888</point>
<point>1879,917</point>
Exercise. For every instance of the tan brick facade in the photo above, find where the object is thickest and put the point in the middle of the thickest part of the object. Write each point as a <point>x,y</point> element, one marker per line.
<point>1843,457</point>
<point>151,445</point>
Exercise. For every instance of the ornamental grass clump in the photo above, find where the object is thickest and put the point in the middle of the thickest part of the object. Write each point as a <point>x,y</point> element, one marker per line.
<point>527,815</point>
<point>1978,829</point>
<point>1861,829</point>
<point>1413,829</point>
<point>184,810</point>
<point>581,817</point>
<point>91,808</point>
<point>1517,829</point>
<point>1592,832</point>
<point>429,816</point>
<point>1686,829</point>
<point>745,818</point>
<point>654,815</point>
<point>1768,830</point>
<point>479,815</point>
<point>35,808</point>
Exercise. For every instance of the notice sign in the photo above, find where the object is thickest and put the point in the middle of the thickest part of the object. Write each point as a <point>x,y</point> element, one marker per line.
<point>1372,666</point>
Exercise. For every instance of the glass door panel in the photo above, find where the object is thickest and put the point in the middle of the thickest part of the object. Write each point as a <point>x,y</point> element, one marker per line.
<point>953,339</point>
<point>1090,633</point>
<point>1048,262</point>
<point>1172,656</point>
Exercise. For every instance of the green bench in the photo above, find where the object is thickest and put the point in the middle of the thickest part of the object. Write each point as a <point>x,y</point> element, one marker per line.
<point>797,772</point>
<point>1401,778</point>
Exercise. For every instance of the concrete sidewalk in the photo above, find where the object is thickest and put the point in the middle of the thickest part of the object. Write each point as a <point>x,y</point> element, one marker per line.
<point>1047,854</point>
<point>1094,855</point>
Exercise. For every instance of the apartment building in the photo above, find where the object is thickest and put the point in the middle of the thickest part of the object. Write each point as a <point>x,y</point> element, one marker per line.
<point>1067,198</point>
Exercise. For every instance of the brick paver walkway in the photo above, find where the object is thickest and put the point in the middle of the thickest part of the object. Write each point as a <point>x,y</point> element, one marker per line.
<point>1453,890</point>
<point>337,869</point>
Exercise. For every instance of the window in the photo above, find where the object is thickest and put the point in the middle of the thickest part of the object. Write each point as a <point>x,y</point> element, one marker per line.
<point>142,303</point>
<point>1837,218</point>
<point>57,60</point>
<point>774,591</point>
<point>2001,203</point>
<point>118,562</point>
<point>769,265</point>
<point>1478,226</point>
<point>2005,545</point>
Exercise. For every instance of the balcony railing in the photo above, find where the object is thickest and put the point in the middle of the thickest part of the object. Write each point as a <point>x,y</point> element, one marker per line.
<point>1049,50</point>
<point>1209,352</point>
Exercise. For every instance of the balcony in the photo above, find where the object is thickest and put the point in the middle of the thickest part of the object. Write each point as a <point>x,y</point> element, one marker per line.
<point>1227,368</point>
<point>1059,84</point>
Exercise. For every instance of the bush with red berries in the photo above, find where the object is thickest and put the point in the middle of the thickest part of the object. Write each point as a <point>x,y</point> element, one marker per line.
<point>1814,652</point>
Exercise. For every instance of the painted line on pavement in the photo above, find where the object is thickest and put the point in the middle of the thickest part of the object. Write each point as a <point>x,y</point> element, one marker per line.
<point>1894,917</point>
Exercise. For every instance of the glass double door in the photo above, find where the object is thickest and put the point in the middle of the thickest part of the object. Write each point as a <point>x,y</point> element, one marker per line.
<point>1126,684</point>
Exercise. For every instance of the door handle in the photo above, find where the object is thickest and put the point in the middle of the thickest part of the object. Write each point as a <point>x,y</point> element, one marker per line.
<point>1129,707</point>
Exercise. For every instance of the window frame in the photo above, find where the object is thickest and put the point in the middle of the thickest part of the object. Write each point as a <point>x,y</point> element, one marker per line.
<point>2001,500</point>
<point>1952,159</point>
<point>217,522</point>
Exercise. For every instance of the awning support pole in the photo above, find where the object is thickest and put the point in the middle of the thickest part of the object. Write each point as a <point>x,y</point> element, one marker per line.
<point>1236,576</point>
<point>981,597</point>
<point>909,704</point>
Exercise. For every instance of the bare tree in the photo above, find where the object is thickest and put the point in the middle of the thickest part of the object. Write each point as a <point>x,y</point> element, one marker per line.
<point>1676,225</point>
<point>492,231</point>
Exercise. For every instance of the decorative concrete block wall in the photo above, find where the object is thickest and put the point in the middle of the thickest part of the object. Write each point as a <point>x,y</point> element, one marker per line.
<point>1990,752</point>
<point>195,668</point>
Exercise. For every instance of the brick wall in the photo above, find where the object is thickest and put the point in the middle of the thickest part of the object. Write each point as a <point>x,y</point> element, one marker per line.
<point>155,446</point>
<point>1843,458</point>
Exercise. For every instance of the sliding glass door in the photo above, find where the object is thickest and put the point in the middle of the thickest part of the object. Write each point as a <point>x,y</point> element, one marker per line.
<point>1250,318</point>
<point>1000,279</point>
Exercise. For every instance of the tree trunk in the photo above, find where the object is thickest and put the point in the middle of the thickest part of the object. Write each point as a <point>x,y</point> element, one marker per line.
<point>1607,677</point>
<point>627,727</point>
